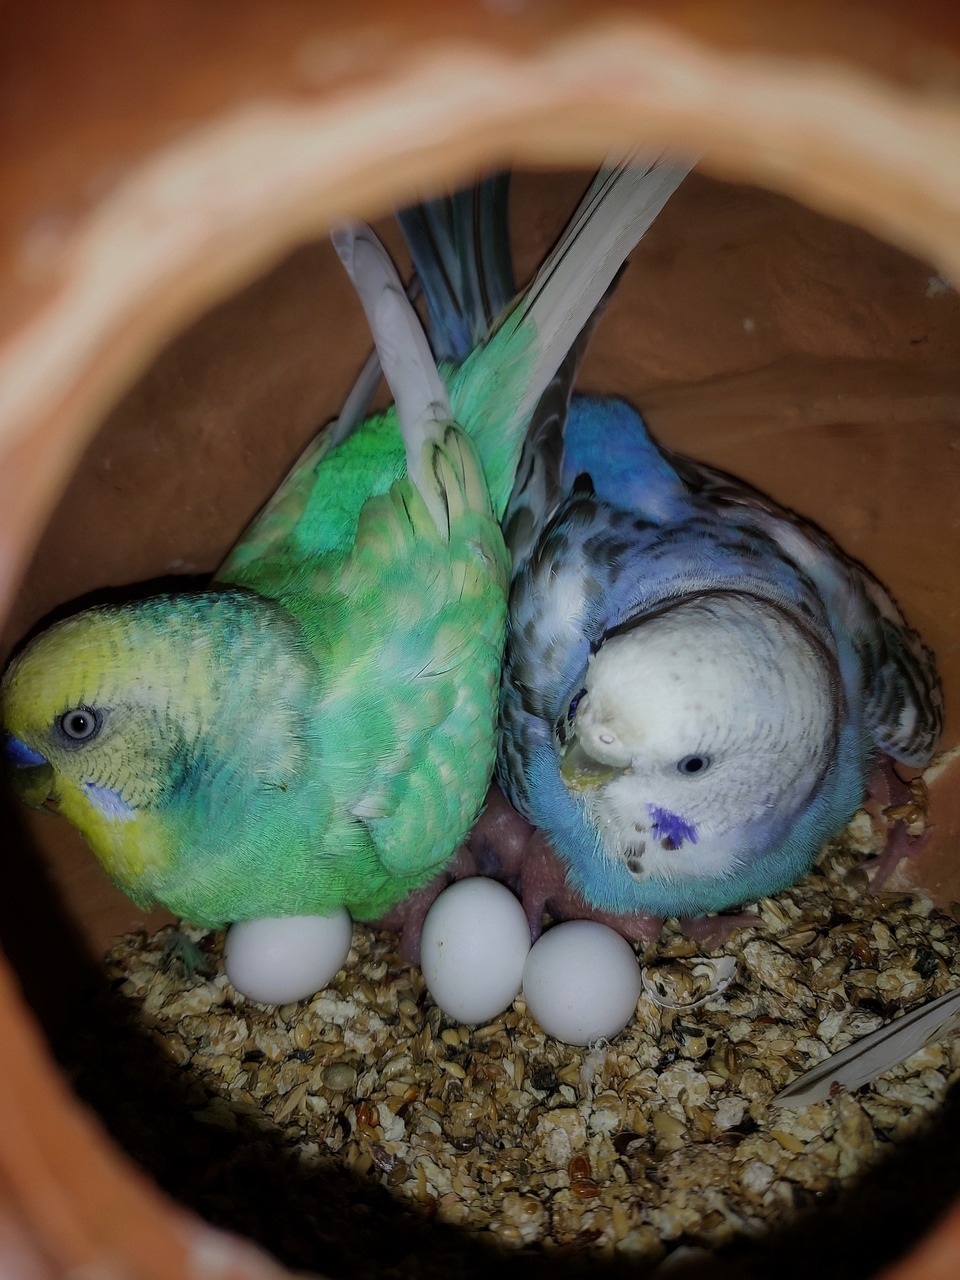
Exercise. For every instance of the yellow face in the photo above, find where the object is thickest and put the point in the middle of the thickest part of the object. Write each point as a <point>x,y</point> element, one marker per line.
<point>85,740</point>
<point>155,727</point>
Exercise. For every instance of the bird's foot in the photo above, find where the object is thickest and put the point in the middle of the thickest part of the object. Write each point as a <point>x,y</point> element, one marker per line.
<point>474,858</point>
<point>180,953</point>
<point>494,848</point>
<point>544,889</point>
<point>901,809</point>
<point>713,932</point>
<point>499,839</point>
<point>504,846</point>
<point>406,917</point>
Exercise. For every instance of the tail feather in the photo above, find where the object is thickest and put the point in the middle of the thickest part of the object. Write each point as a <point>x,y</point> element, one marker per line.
<point>461,253</point>
<point>538,487</point>
<point>356,406</point>
<point>496,389</point>
<point>419,392</point>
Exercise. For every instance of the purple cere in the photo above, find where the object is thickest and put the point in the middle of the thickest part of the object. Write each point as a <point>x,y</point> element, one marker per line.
<point>670,826</point>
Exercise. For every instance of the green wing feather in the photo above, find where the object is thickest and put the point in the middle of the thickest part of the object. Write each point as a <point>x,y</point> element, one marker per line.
<point>425,687</point>
<point>329,706</point>
<point>388,551</point>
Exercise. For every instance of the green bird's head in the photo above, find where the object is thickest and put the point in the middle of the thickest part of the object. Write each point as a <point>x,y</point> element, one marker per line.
<point>156,729</point>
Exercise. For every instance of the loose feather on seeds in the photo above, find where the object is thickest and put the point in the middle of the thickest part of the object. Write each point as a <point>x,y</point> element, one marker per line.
<point>874,1054</point>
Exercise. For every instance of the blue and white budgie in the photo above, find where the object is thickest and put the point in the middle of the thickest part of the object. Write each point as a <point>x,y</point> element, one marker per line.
<point>697,682</point>
<point>318,729</point>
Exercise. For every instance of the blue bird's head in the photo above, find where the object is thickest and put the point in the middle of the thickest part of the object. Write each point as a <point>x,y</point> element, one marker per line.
<point>698,732</point>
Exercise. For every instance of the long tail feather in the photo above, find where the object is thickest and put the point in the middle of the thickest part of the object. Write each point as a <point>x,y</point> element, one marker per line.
<point>538,487</point>
<point>461,253</point>
<point>496,389</point>
<point>420,394</point>
<point>359,398</point>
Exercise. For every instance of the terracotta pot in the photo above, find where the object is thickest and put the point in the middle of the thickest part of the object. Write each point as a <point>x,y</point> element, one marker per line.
<point>160,157</point>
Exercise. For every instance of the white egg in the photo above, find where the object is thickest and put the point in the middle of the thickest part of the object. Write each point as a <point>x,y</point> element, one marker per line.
<point>581,982</point>
<point>474,942</point>
<point>287,958</point>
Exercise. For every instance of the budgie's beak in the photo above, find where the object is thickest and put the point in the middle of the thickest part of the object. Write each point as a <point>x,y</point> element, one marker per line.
<point>580,772</point>
<point>31,774</point>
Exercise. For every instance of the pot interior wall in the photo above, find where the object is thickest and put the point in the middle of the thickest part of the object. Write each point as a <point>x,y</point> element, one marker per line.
<point>790,349</point>
<point>787,348</point>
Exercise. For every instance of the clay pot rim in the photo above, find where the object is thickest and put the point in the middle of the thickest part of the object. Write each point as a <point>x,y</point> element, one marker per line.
<point>199,216</point>
<point>192,220</point>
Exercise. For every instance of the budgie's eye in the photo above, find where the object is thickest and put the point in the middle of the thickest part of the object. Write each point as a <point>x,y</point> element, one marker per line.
<point>572,709</point>
<point>693,764</point>
<point>81,724</point>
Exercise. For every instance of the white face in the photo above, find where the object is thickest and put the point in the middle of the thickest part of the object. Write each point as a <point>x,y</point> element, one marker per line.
<point>700,722</point>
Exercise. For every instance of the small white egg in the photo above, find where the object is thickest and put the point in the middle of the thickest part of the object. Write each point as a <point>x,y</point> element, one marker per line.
<point>581,982</point>
<point>475,939</point>
<point>286,958</point>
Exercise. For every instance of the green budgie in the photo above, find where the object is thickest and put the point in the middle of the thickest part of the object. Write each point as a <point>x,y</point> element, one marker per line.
<point>318,728</point>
